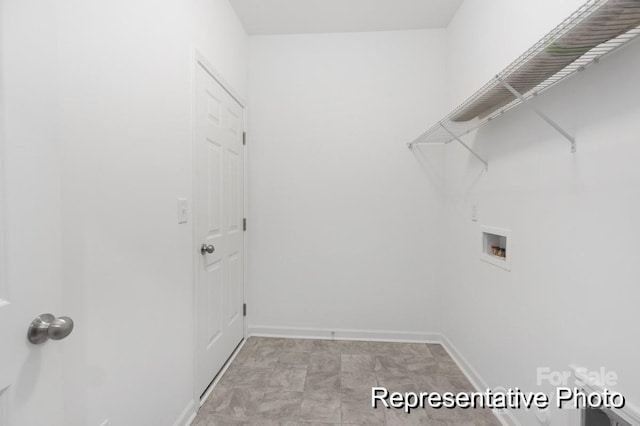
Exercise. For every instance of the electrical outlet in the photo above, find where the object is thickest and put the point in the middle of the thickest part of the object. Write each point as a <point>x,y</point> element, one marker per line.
<point>183,210</point>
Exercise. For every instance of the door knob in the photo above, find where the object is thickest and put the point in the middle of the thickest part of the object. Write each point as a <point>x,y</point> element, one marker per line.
<point>207,249</point>
<point>46,327</point>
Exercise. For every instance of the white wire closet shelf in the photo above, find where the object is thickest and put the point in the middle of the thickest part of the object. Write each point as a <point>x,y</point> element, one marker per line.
<point>596,29</point>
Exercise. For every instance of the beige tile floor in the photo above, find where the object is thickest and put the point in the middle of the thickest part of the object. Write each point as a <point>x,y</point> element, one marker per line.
<point>295,382</point>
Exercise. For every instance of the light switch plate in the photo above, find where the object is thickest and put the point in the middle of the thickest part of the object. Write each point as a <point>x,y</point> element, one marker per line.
<point>183,210</point>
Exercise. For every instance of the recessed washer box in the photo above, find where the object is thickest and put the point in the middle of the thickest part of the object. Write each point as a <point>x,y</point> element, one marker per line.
<point>496,246</point>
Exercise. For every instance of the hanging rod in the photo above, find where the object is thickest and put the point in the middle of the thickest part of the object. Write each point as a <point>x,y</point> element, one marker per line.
<point>595,30</point>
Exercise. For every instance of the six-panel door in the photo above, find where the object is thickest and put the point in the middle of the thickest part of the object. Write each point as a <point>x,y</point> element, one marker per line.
<point>218,222</point>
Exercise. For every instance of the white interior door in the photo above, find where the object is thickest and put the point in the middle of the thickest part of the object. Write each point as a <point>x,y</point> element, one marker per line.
<point>219,226</point>
<point>31,379</point>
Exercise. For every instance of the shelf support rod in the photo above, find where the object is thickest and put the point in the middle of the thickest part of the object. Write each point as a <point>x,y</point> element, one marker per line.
<point>410,145</point>
<point>486,164</point>
<point>542,115</point>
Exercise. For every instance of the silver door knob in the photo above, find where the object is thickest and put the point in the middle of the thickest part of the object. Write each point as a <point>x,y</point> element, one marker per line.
<point>46,327</point>
<point>207,249</point>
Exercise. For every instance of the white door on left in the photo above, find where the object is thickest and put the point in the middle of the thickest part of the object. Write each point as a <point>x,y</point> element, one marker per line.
<point>32,385</point>
<point>219,205</point>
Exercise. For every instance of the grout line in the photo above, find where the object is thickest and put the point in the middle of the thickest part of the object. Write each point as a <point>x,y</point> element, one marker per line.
<point>445,345</point>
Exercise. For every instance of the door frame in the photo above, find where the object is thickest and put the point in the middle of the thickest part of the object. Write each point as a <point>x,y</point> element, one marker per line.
<point>5,388</point>
<point>200,60</point>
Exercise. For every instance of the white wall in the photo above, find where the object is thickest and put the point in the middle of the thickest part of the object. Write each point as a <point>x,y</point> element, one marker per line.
<point>344,219</point>
<point>571,295</point>
<point>121,95</point>
<point>222,40</point>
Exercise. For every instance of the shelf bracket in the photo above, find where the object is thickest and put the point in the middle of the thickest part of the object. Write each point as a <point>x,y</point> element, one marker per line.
<point>549,121</point>
<point>486,164</point>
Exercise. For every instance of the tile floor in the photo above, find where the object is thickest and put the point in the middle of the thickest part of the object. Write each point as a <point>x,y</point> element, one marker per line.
<point>295,382</point>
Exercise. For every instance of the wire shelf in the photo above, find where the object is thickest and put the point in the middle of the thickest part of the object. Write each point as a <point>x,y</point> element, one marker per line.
<point>593,31</point>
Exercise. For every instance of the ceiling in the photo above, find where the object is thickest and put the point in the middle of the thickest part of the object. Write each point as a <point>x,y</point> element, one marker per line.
<point>329,16</point>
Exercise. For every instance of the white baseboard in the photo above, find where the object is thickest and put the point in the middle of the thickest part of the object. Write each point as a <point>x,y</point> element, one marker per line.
<point>506,417</point>
<point>341,334</point>
<point>187,416</point>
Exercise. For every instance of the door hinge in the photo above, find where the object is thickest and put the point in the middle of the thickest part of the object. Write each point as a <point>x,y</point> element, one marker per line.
<point>244,224</point>
<point>244,309</point>
<point>244,138</point>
